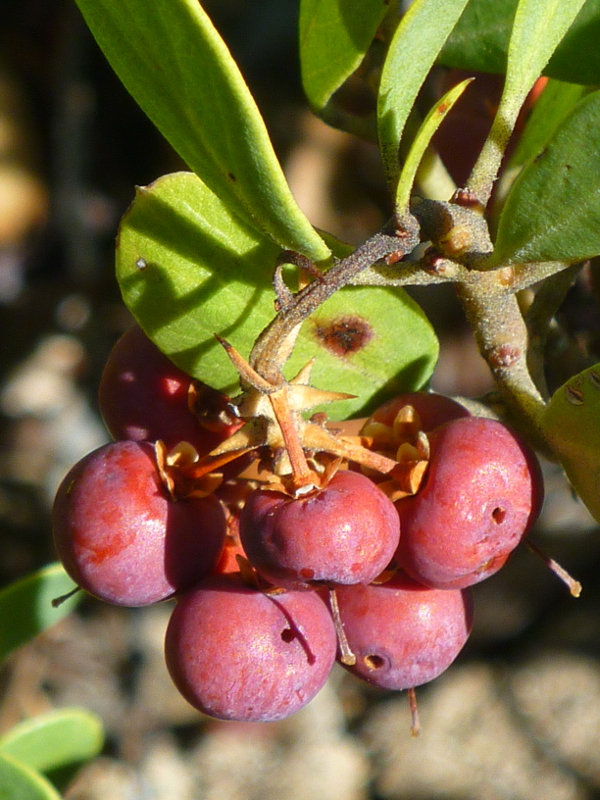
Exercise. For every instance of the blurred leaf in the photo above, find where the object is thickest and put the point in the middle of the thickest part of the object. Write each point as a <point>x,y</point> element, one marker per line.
<point>20,782</point>
<point>55,739</point>
<point>552,212</point>
<point>572,425</point>
<point>26,606</point>
<point>480,42</point>
<point>413,50</point>
<point>174,63</point>
<point>189,269</point>
<point>334,37</point>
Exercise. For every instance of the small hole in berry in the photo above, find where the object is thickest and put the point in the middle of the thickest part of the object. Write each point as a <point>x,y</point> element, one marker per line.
<point>288,635</point>
<point>374,661</point>
<point>498,515</point>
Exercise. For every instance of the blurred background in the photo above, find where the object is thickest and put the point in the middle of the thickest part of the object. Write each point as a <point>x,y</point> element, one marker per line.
<point>517,716</point>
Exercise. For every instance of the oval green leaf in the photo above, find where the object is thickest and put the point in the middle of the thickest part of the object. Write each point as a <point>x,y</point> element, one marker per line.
<point>172,60</point>
<point>552,212</point>
<point>20,782</point>
<point>188,269</point>
<point>55,739</point>
<point>480,42</point>
<point>413,50</point>
<point>26,606</point>
<point>571,424</point>
<point>334,37</point>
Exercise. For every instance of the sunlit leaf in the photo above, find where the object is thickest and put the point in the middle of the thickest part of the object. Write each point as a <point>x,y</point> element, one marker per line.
<point>554,103</point>
<point>480,42</point>
<point>54,739</point>
<point>538,27</point>
<point>26,606</point>
<point>552,212</point>
<point>572,425</point>
<point>412,52</point>
<point>189,269</point>
<point>20,782</point>
<point>431,123</point>
<point>174,63</point>
<point>334,37</point>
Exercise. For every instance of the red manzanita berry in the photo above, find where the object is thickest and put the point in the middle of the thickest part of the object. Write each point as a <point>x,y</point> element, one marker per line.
<point>236,653</point>
<point>344,533</point>
<point>481,494</point>
<point>402,633</point>
<point>143,396</point>
<point>121,537</point>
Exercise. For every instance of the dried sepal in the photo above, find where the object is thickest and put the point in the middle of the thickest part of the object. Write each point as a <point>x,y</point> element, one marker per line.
<point>177,471</point>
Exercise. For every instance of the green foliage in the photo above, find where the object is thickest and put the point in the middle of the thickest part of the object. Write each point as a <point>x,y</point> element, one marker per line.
<point>572,424</point>
<point>553,105</point>
<point>20,782</point>
<point>205,272</point>
<point>176,66</point>
<point>27,603</point>
<point>412,52</point>
<point>538,27</point>
<point>481,37</point>
<point>552,212</point>
<point>431,123</point>
<point>58,738</point>
<point>334,37</point>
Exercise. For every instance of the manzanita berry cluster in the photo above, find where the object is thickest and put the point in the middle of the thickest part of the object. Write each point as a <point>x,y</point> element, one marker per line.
<point>275,578</point>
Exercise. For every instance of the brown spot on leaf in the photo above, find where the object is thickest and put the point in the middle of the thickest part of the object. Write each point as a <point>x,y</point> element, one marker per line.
<point>343,336</point>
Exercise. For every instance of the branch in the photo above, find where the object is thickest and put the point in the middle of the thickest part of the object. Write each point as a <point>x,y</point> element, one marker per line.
<point>271,347</point>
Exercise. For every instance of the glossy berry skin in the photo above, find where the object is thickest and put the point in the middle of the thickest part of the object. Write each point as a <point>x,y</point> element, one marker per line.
<point>404,634</point>
<point>122,539</point>
<point>345,533</point>
<point>481,494</point>
<point>236,653</point>
<point>143,396</point>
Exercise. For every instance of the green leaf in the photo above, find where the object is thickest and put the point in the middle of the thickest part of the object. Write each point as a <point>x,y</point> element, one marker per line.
<point>20,782</point>
<point>54,739</point>
<point>552,212</point>
<point>412,52</point>
<point>188,269</point>
<point>399,353</point>
<point>26,606</point>
<point>480,42</point>
<point>172,60</point>
<point>431,123</point>
<point>538,27</point>
<point>571,423</point>
<point>554,103</point>
<point>334,37</point>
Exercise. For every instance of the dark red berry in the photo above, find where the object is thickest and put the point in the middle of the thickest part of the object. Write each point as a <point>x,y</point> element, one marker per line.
<point>236,653</point>
<point>345,533</point>
<point>121,537</point>
<point>143,396</point>
<point>481,494</point>
<point>402,633</point>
